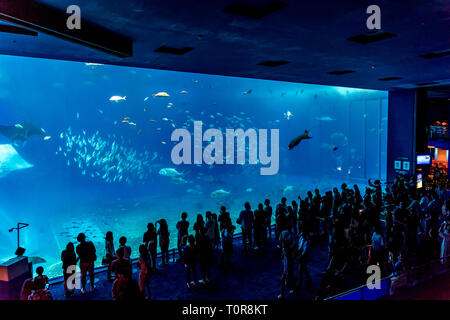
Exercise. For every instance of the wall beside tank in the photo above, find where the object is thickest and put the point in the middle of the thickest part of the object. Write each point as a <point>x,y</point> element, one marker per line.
<point>401,132</point>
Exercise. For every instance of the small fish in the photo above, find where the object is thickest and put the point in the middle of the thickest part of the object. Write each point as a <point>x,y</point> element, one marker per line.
<point>159,129</point>
<point>47,137</point>
<point>335,148</point>
<point>146,98</point>
<point>78,115</point>
<point>165,119</point>
<point>118,98</point>
<point>100,110</point>
<point>154,121</point>
<point>18,126</point>
<point>195,81</point>
<point>161,95</point>
<point>247,92</point>
<point>183,92</point>
<point>326,118</point>
<point>163,142</point>
<point>288,115</point>
<point>132,123</point>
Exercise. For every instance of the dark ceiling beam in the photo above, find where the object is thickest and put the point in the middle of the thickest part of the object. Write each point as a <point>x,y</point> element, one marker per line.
<point>42,18</point>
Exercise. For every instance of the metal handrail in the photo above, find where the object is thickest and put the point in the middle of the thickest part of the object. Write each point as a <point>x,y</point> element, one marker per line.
<point>407,272</point>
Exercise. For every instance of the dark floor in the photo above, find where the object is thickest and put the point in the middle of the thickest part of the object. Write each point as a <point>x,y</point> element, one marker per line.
<point>437,288</point>
<point>255,275</point>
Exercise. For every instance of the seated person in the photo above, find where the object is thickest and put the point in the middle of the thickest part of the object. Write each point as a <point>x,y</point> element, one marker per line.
<point>125,288</point>
<point>39,287</point>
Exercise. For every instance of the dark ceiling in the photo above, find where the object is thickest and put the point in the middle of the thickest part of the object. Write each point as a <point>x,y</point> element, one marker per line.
<point>310,35</point>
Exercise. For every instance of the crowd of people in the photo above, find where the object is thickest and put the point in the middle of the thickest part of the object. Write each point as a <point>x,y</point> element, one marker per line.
<point>395,229</point>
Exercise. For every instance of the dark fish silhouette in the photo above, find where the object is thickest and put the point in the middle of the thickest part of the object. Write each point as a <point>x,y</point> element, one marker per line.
<point>335,148</point>
<point>297,140</point>
<point>20,133</point>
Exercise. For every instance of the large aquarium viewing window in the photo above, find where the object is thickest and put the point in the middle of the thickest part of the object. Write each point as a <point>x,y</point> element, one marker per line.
<point>87,148</point>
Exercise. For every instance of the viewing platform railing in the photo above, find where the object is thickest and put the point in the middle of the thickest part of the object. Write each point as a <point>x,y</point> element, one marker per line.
<point>406,279</point>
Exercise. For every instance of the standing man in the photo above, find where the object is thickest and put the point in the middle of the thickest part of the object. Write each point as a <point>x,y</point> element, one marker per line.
<point>246,221</point>
<point>126,249</point>
<point>86,252</point>
<point>281,217</point>
<point>182,227</point>
<point>268,214</point>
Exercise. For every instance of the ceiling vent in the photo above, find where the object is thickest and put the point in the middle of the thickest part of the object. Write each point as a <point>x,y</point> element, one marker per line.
<point>253,11</point>
<point>436,54</point>
<point>17,30</point>
<point>372,36</point>
<point>341,72</point>
<point>273,63</point>
<point>171,50</point>
<point>390,78</point>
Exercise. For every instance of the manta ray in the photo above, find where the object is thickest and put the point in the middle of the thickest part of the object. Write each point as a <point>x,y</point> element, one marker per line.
<point>10,160</point>
<point>20,133</point>
<point>297,140</point>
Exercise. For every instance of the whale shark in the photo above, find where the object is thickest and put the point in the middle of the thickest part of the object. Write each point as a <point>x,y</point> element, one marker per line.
<point>18,134</point>
<point>10,160</point>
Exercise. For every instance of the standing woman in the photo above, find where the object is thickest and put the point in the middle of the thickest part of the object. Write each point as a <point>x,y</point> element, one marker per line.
<point>199,226</point>
<point>294,216</point>
<point>164,241</point>
<point>259,225</point>
<point>227,247</point>
<point>444,232</point>
<point>151,238</point>
<point>216,231</point>
<point>205,254</point>
<point>69,261</point>
<point>110,253</point>
<point>190,261</point>
<point>144,264</point>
